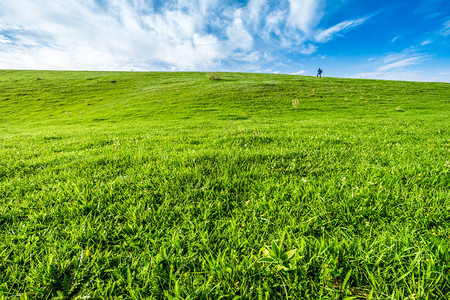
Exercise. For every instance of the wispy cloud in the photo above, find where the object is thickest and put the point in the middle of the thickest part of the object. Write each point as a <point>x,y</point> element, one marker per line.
<point>301,72</point>
<point>446,28</point>
<point>256,9</point>
<point>327,34</point>
<point>401,63</point>
<point>398,66</point>
<point>273,24</point>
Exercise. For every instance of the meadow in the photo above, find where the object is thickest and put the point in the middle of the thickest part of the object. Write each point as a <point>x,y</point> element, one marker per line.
<point>128,185</point>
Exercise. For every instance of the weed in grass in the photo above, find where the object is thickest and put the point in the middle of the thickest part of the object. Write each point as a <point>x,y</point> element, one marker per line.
<point>295,103</point>
<point>281,261</point>
<point>214,76</point>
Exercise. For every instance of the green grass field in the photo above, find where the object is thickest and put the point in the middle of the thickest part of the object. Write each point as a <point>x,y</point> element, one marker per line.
<point>169,185</point>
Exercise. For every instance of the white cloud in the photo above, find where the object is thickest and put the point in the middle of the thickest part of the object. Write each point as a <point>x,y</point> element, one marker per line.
<point>135,34</point>
<point>238,36</point>
<point>305,14</point>
<point>85,36</point>
<point>327,34</point>
<point>255,10</point>
<point>205,5</point>
<point>308,49</point>
<point>253,57</point>
<point>4,40</point>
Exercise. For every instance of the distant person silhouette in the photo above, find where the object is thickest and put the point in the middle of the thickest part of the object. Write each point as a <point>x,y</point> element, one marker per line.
<point>319,73</point>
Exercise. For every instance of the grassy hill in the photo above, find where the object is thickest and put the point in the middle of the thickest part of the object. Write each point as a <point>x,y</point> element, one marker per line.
<point>169,185</point>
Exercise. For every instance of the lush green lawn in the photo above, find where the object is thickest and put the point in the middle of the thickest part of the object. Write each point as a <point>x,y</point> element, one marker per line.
<point>170,185</point>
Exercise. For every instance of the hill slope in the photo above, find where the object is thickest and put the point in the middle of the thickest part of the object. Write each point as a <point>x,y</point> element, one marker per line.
<point>80,97</point>
<point>272,186</point>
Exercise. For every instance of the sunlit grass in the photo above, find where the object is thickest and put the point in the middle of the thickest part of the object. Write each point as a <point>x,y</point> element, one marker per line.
<point>170,185</point>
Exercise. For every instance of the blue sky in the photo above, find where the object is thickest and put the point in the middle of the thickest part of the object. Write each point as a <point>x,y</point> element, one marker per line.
<point>383,39</point>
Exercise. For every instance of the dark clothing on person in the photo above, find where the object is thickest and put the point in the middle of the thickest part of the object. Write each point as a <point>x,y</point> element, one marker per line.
<point>319,73</point>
